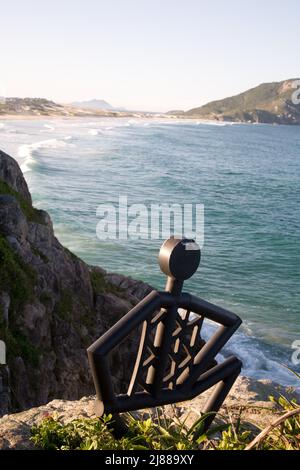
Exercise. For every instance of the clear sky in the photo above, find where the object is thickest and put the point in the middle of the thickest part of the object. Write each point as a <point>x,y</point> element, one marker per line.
<point>146,54</point>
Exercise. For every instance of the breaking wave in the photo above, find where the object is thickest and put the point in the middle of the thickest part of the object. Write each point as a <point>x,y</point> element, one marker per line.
<point>28,152</point>
<point>93,132</point>
<point>48,126</point>
<point>260,359</point>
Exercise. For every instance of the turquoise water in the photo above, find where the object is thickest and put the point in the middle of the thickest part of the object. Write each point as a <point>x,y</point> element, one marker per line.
<point>247,177</point>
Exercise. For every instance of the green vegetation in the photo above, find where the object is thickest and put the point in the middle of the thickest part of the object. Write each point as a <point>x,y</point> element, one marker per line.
<point>40,254</point>
<point>95,434</point>
<point>72,255</point>
<point>32,214</point>
<point>65,306</point>
<point>16,277</point>
<point>18,344</point>
<point>162,433</point>
<point>45,298</point>
<point>269,103</point>
<point>102,286</point>
<point>18,280</point>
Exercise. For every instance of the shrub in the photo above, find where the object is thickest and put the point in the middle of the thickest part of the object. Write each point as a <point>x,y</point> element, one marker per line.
<point>163,433</point>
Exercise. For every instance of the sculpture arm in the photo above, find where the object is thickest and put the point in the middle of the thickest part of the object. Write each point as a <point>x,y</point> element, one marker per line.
<point>210,311</point>
<point>97,352</point>
<point>125,325</point>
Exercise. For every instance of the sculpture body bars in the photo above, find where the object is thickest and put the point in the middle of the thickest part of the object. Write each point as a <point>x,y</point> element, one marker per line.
<point>173,362</point>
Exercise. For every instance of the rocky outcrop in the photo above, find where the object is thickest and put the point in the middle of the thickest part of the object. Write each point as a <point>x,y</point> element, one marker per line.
<point>52,304</point>
<point>247,400</point>
<point>10,173</point>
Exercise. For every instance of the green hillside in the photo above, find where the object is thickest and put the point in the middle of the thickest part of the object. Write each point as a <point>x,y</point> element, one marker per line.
<point>266,103</point>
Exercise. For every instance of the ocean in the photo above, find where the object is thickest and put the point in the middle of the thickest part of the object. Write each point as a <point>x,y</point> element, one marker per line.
<point>247,177</point>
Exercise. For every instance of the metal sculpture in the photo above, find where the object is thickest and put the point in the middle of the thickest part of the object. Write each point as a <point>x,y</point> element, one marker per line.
<point>173,362</point>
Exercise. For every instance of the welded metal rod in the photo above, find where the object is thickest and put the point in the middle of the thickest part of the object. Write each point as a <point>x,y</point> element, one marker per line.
<point>173,362</point>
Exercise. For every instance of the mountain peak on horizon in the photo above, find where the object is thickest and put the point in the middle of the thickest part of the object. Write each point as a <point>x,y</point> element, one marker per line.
<point>93,104</point>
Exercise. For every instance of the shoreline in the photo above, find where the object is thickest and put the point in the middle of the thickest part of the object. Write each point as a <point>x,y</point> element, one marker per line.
<point>162,117</point>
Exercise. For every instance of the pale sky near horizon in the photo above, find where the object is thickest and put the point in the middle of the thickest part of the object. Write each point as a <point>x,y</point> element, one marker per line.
<point>146,54</point>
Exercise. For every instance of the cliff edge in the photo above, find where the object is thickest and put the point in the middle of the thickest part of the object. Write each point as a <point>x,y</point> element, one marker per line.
<point>247,401</point>
<point>52,304</point>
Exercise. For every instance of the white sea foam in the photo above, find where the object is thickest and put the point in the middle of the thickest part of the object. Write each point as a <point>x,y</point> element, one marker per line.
<point>28,151</point>
<point>51,128</point>
<point>257,358</point>
<point>93,132</point>
<point>214,123</point>
<point>24,151</point>
<point>1,125</point>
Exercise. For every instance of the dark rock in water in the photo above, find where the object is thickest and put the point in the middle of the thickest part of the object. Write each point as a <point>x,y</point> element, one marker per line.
<point>52,305</point>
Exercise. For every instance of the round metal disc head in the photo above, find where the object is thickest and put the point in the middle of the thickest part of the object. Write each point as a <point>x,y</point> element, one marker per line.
<point>179,258</point>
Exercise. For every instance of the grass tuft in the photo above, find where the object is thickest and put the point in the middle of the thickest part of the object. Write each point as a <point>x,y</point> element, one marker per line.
<point>102,286</point>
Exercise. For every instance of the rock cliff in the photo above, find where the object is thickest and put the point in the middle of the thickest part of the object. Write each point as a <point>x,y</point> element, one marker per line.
<point>52,304</point>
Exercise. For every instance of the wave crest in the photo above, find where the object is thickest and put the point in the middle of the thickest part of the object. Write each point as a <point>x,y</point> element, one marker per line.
<point>29,151</point>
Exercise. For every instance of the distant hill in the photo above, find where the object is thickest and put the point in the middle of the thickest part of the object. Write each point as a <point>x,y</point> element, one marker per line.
<point>44,107</point>
<point>176,112</point>
<point>29,106</point>
<point>92,104</point>
<point>267,103</point>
